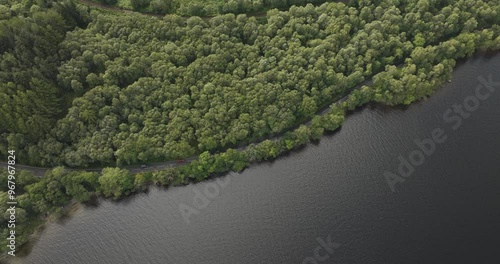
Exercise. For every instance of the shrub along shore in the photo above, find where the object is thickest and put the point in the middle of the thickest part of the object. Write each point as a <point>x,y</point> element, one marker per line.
<point>295,62</point>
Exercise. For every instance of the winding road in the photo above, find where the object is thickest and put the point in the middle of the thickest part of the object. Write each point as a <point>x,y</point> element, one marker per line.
<point>152,167</point>
<point>40,171</point>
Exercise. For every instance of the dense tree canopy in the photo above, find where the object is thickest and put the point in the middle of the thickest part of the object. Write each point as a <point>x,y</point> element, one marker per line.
<point>80,88</point>
<point>206,7</point>
<point>140,89</point>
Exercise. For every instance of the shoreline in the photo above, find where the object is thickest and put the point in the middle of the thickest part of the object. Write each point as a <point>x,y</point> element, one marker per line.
<point>71,208</point>
<point>25,249</point>
<point>57,193</point>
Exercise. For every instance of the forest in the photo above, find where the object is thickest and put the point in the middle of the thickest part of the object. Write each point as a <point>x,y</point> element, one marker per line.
<point>81,87</point>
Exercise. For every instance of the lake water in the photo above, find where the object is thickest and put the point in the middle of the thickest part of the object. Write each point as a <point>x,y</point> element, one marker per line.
<point>334,192</point>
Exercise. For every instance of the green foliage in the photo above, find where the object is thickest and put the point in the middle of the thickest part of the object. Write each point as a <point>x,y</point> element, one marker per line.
<point>207,7</point>
<point>81,185</point>
<point>332,121</point>
<point>133,89</point>
<point>109,2</point>
<point>143,89</point>
<point>30,99</point>
<point>49,191</point>
<point>139,4</point>
<point>299,136</point>
<point>162,6</point>
<point>142,180</point>
<point>165,177</point>
<point>116,182</point>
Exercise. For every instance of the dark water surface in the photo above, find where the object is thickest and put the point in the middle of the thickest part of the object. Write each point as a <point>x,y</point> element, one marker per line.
<point>447,211</point>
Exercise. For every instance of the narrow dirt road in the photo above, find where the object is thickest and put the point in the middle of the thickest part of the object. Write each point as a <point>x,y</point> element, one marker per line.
<point>40,171</point>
